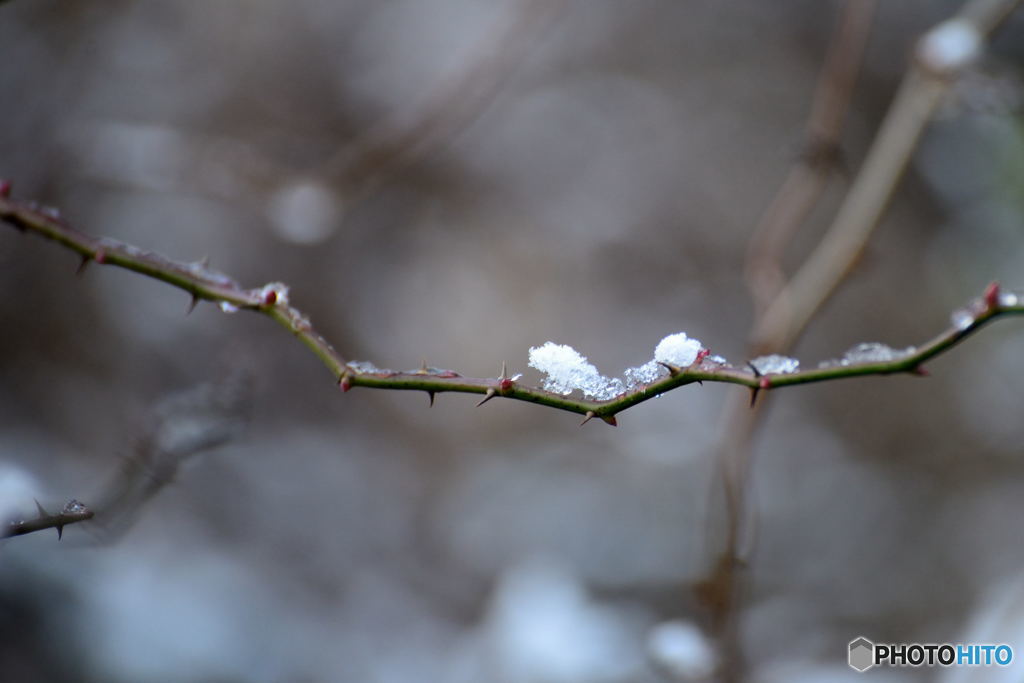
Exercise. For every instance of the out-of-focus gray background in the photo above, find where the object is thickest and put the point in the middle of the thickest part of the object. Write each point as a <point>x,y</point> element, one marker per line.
<point>591,176</point>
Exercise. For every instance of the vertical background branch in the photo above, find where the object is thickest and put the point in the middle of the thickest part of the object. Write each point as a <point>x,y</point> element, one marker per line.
<point>784,309</point>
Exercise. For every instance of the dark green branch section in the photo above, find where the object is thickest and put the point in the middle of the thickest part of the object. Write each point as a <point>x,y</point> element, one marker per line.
<point>271,300</point>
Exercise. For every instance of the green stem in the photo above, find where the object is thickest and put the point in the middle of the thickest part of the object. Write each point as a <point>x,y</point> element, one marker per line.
<point>205,284</point>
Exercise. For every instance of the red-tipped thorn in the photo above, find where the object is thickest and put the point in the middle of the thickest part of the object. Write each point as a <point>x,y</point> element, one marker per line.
<point>430,395</point>
<point>920,372</point>
<point>5,188</point>
<point>487,397</point>
<point>82,265</point>
<point>610,419</point>
<point>589,416</point>
<point>991,295</point>
<point>345,382</point>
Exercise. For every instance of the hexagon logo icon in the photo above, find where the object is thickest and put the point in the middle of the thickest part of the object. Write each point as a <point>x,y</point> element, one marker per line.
<point>861,655</point>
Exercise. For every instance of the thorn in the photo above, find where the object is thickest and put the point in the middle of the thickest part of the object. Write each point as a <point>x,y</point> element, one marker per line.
<point>753,395</point>
<point>205,261</point>
<point>83,264</point>
<point>344,382</point>
<point>610,419</point>
<point>753,368</point>
<point>192,304</point>
<point>430,394</point>
<point>991,295</point>
<point>700,382</point>
<point>920,371</point>
<point>5,188</point>
<point>60,531</point>
<point>42,510</point>
<point>504,381</point>
<point>590,416</point>
<point>673,370</point>
<point>487,397</point>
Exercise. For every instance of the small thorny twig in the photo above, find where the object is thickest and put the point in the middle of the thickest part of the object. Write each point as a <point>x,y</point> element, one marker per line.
<point>72,513</point>
<point>182,425</point>
<point>202,283</point>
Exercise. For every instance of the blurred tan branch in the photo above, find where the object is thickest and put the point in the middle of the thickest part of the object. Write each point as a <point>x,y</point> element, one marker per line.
<point>807,179</point>
<point>785,310</point>
<point>451,106</point>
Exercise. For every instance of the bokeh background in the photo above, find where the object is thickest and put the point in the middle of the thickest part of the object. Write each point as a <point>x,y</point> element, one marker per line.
<point>455,181</point>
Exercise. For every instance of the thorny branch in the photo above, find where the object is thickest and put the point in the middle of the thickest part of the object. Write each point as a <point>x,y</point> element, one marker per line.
<point>182,426</point>
<point>202,283</point>
<point>71,513</point>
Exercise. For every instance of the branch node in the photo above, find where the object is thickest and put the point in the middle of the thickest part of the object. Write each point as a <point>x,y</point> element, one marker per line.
<point>991,296</point>
<point>345,382</point>
<point>100,256</point>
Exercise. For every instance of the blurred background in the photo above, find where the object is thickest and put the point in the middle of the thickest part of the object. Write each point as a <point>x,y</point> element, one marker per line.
<point>453,182</point>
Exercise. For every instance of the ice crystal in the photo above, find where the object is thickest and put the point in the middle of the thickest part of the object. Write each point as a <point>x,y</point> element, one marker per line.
<point>775,364</point>
<point>678,350</point>
<point>1008,299</point>
<point>873,352</point>
<point>568,370</point>
<point>363,367</point>
<point>644,374</point>
<point>961,319</point>
<point>868,352</point>
<point>228,307</point>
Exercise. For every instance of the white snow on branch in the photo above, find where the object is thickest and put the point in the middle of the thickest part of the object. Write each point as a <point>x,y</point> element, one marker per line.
<point>568,370</point>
